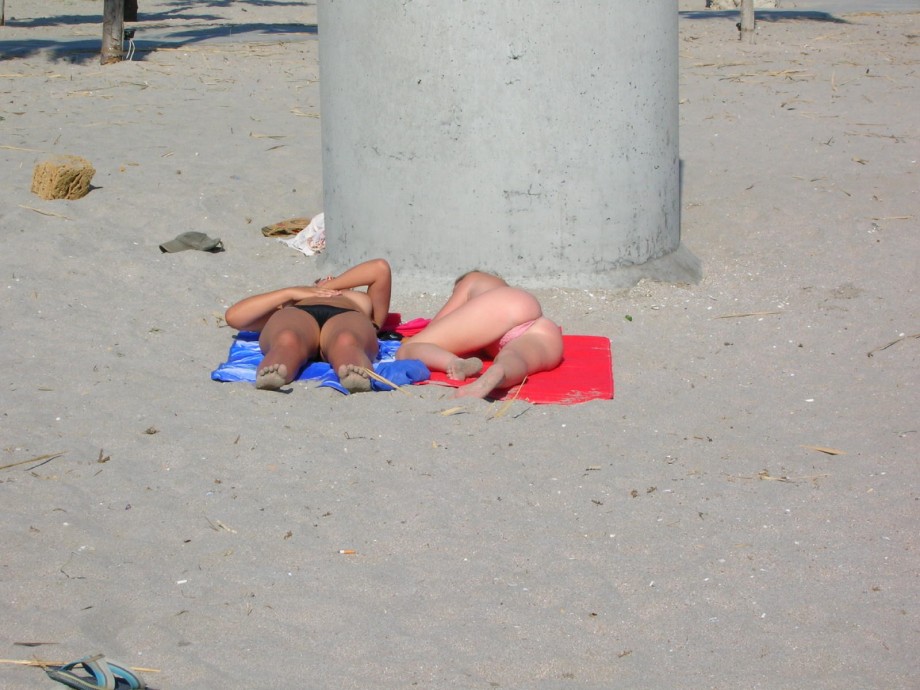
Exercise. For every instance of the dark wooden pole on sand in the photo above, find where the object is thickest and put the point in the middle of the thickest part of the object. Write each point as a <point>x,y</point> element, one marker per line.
<point>2,12</point>
<point>113,31</point>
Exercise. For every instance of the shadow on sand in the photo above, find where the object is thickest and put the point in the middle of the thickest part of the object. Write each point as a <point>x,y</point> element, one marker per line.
<point>767,16</point>
<point>87,50</point>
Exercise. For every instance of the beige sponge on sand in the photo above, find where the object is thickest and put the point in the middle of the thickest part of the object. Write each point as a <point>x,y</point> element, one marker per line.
<point>63,177</point>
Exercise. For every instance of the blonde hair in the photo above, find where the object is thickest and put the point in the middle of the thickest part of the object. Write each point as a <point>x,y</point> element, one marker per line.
<point>476,270</point>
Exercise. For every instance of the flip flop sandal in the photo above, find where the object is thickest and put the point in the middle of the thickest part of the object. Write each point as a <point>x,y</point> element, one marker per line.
<point>106,675</point>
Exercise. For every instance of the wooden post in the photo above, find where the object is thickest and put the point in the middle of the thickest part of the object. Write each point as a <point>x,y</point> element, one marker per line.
<point>2,12</point>
<point>746,27</point>
<point>113,31</point>
<point>130,10</point>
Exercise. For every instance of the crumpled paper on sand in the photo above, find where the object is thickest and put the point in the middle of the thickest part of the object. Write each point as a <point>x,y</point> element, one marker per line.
<point>312,239</point>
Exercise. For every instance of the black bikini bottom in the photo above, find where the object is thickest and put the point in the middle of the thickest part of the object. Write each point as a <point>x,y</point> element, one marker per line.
<point>322,312</point>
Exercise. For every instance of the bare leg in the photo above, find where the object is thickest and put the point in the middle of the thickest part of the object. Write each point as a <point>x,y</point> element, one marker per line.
<point>485,384</point>
<point>539,349</point>
<point>439,359</point>
<point>461,369</point>
<point>473,325</point>
<point>288,340</point>
<point>349,344</point>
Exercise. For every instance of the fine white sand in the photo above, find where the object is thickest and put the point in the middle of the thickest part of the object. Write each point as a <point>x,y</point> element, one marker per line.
<point>690,533</point>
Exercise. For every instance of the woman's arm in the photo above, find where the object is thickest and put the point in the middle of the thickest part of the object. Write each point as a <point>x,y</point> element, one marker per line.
<point>376,275</point>
<point>252,313</point>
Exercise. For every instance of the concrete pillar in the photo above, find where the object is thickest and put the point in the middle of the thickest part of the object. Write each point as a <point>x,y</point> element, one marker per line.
<point>534,138</point>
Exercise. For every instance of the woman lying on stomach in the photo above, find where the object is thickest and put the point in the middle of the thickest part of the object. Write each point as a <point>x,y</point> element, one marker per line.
<point>485,315</point>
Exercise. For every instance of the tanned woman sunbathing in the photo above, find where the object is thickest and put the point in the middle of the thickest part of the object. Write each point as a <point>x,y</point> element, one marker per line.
<point>329,320</point>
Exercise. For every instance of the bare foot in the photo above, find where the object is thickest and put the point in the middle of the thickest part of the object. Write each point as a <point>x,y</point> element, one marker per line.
<point>271,377</point>
<point>353,378</point>
<point>462,369</point>
<point>485,384</point>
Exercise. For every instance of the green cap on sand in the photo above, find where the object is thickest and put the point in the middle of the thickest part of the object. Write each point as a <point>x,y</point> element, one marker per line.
<point>192,240</point>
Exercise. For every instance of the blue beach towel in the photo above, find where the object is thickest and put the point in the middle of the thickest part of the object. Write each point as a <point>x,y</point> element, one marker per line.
<point>245,356</point>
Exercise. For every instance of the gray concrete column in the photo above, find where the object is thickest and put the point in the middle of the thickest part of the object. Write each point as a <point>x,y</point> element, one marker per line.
<point>534,138</point>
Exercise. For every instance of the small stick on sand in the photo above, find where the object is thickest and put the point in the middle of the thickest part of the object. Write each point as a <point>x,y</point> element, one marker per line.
<point>750,313</point>
<point>826,450</point>
<point>507,404</point>
<point>217,525</point>
<point>45,213</point>
<point>377,377</point>
<point>870,352</point>
<point>40,458</point>
<point>41,664</point>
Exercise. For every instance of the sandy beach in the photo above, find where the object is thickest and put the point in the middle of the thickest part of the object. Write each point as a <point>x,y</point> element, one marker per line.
<point>744,514</point>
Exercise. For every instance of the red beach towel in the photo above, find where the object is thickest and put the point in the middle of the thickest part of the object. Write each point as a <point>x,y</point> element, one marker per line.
<point>586,373</point>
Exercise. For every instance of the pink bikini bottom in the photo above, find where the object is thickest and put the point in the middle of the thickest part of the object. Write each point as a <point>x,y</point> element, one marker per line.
<point>515,332</point>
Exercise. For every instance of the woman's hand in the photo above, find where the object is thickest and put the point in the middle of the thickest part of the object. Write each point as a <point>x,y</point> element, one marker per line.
<point>375,274</point>
<point>252,313</point>
<point>308,291</point>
